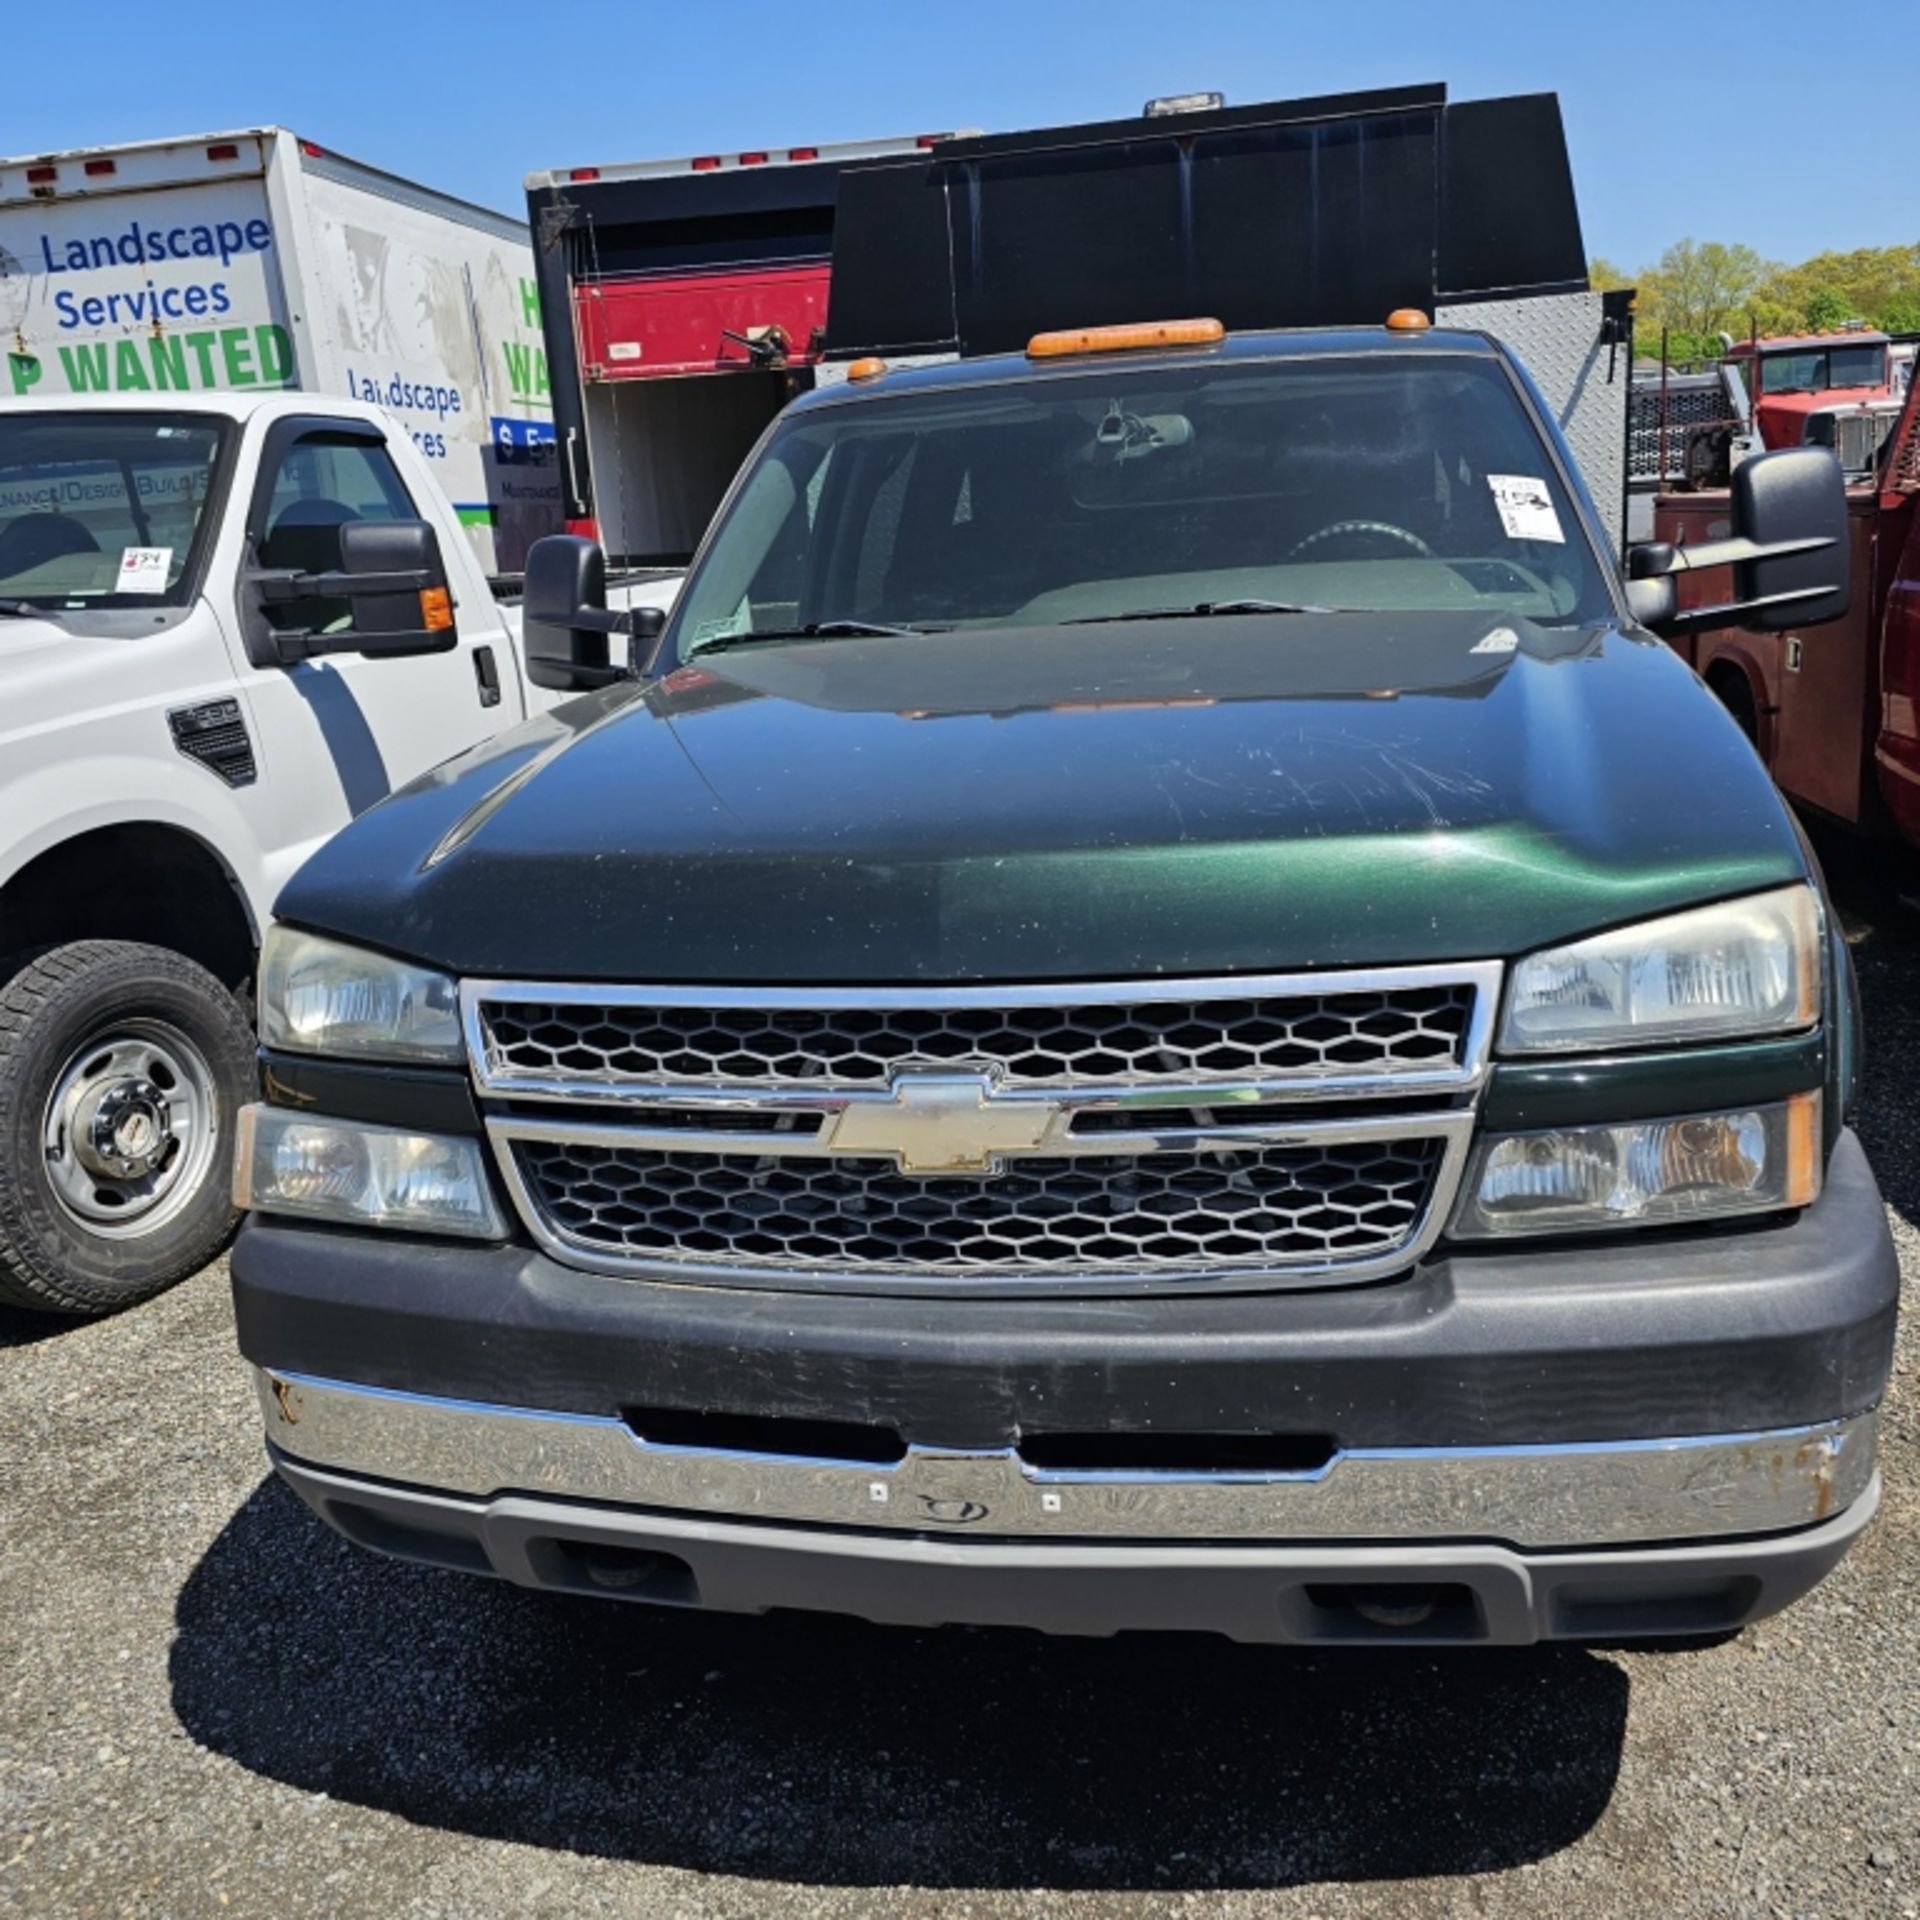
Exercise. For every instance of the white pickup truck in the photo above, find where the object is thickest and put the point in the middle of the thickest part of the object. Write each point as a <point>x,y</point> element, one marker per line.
<point>229,622</point>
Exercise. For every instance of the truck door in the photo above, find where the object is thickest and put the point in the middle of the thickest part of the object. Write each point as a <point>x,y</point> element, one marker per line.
<point>1829,705</point>
<point>345,724</point>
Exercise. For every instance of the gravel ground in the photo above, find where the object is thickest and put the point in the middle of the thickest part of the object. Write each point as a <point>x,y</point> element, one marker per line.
<point>208,1705</point>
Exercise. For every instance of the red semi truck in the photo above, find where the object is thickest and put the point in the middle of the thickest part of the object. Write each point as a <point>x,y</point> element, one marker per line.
<point>1836,713</point>
<point>1824,389</point>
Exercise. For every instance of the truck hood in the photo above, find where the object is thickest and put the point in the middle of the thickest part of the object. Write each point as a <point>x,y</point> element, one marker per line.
<point>1189,796</point>
<point>22,637</point>
<point>1783,417</point>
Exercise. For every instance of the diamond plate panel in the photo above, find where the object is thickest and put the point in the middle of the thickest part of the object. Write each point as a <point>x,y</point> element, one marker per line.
<point>1557,335</point>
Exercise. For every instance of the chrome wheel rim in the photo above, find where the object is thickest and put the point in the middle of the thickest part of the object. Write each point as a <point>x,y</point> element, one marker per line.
<point>131,1128</point>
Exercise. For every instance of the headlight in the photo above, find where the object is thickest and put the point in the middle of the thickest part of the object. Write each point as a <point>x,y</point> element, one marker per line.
<point>322,996</point>
<point>1747,966</point>
<point>363,1176</point>
<point>1649,1173</point>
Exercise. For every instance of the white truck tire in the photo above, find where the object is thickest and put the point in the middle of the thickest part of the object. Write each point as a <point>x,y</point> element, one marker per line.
<point>122,1071</point>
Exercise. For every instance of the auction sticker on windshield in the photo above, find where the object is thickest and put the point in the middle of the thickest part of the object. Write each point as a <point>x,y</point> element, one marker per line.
<point>143,570</point>
<point>1526,507</point>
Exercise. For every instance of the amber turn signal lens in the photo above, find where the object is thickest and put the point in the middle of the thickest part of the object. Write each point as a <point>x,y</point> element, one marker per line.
<point>436,609</point>
<point>1135,338</point>
<point>1407,320</point>
<point>1803,1149</point>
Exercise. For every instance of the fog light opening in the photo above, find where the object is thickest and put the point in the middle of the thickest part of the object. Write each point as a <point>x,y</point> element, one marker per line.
<point>1394,1606</point>
<point>1427,1610</point>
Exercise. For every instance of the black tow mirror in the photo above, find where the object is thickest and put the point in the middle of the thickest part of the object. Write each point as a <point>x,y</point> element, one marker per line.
<point>566,629</point>
<point>1789,552</point>
<point>387,597</point>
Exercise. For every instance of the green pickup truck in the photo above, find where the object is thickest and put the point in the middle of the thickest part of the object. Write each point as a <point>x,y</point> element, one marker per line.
<point>1154,1006</point>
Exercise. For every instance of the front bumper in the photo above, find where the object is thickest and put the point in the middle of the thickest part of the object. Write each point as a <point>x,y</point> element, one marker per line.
<point>1443,1593</point>
<point>1535,1498</point>
<point>1647,1435</point>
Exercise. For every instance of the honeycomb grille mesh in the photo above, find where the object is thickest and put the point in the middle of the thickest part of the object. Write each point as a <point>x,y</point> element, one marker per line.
<point>1400,1030</point>
<point>1251,1207</point>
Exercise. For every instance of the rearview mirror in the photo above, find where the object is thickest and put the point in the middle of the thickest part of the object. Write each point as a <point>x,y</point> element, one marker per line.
<point>393,583</point>
<point>1789,551</point>
<point>566,629</point>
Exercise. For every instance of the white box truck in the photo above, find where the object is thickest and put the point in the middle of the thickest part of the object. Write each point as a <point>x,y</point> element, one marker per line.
<point>261,260</point>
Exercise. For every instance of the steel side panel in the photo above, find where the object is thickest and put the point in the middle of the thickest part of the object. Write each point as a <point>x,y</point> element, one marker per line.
<point>1557,336</point>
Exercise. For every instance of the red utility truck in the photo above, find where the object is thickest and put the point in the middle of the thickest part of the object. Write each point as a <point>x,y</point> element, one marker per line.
<point>1836,713</point>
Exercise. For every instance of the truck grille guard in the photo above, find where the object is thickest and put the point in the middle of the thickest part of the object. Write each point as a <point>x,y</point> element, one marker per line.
<point>1187,1135</point>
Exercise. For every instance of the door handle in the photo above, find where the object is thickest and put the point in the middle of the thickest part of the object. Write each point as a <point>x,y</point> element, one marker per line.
<point>487,672</point>
<point>578,499</point>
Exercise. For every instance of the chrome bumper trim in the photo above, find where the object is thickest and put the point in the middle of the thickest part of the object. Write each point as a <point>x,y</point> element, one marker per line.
<point>1601,1494</point>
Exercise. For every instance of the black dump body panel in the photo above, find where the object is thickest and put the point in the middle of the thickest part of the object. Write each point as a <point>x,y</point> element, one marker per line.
<point>1329,211</point>
<point>1303,213</point>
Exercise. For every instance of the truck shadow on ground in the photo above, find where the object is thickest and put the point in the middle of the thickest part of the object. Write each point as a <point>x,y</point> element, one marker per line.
<point>827,1751</point>
<point>21,1328</point>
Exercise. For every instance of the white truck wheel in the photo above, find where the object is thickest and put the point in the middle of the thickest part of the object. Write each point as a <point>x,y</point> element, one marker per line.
<point>122,1067</point>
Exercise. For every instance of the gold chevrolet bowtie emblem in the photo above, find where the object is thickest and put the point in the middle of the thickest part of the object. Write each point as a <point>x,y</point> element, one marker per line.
<point>941,1123</point>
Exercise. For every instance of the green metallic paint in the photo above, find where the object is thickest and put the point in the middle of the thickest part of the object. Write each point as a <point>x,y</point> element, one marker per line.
<point>424,1099</point>
<point>1649,1086</point>
<point>1174,797</point>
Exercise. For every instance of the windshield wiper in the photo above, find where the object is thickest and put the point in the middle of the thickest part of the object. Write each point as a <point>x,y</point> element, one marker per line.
<point>24,610</point>
<point>1205,610</point>
<point>818,630</point>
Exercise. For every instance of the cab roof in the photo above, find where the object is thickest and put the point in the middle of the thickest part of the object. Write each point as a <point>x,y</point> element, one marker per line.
<point>220,402</point>
<point>1277,344</point>
<point>1809,342</point>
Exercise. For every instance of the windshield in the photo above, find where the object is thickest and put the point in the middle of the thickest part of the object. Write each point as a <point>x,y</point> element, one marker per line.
<point>1858,367</point>
<point>1355,483</point>
<point>1820,369</point>
<point>102,510</point>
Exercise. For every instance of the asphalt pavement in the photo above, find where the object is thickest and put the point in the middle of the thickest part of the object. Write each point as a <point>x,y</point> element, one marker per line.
<point>210,1705</point>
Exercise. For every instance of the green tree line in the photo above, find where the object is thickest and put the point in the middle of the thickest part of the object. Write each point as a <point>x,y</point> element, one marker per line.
<point>1699,289</point>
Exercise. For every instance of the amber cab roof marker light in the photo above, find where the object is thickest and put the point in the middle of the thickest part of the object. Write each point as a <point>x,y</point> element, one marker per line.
<point>1407,320</point>
<point>1137,337</point>
<point>868,367</point>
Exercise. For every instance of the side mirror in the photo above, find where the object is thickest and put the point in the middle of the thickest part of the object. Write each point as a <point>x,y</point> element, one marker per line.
<point>1789,552</point>
<point>1792,505</point>
<point>394,587</point>
<point>565,627</point>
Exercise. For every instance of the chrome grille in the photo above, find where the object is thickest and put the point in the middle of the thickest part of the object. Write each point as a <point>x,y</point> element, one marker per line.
<point>1858,438</point>
<point>1101,1138</point>
<point>1419,1028</point>
<point>1254,1207</point>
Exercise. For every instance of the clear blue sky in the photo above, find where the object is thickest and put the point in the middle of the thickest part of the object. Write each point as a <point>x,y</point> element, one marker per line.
<point>1665,109</point>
